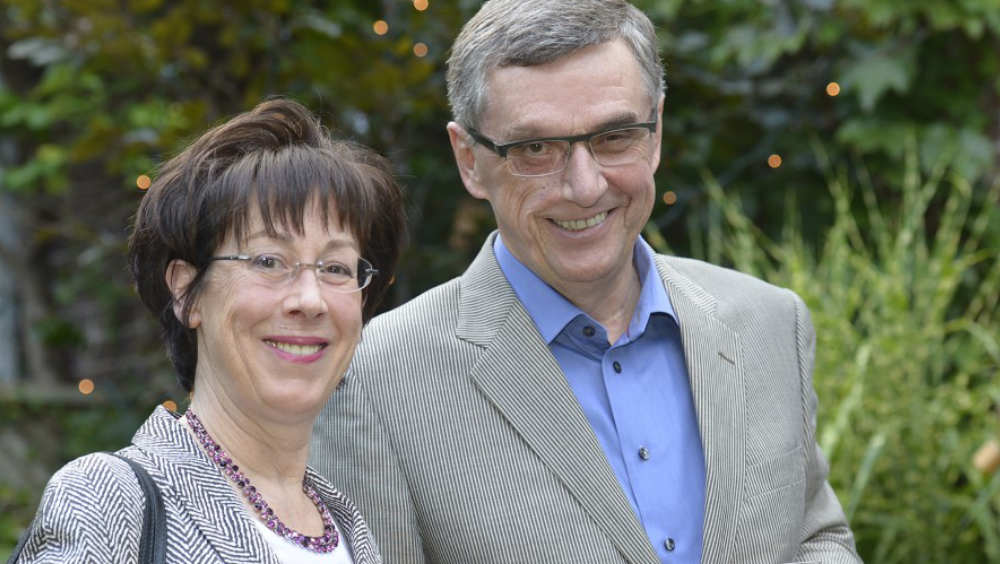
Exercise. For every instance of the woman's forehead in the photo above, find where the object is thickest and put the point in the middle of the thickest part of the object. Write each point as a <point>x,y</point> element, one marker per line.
<point>286,225</point>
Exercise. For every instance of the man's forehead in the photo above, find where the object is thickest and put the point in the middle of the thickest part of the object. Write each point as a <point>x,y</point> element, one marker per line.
<point>597,84</point>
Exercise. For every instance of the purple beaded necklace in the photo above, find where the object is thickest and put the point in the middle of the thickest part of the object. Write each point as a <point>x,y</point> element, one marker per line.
<point>326,543</point>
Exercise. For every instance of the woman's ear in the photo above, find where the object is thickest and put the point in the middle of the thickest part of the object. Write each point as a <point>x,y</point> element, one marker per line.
<point>179,276</point>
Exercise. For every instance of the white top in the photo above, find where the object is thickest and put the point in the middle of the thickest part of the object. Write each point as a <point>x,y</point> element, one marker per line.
<point>288,553</point>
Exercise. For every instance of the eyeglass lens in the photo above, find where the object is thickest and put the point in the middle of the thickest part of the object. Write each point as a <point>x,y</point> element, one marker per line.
<point>332,271</point>
<point>611,148</point>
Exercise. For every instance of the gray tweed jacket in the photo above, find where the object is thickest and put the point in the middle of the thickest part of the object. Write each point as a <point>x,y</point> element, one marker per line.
<point>457,433</point>
<point>91,510</point>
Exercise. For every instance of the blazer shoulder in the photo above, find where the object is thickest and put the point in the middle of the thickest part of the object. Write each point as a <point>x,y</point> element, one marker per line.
<point>727,285</point>
<point>438,303</point>
<point>90,510</point>
<point>428,315</point>
<point>96,474</point>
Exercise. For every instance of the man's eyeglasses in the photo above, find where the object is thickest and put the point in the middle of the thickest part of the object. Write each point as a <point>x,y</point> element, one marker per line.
<point>620,145</point>
<point>344,276</point>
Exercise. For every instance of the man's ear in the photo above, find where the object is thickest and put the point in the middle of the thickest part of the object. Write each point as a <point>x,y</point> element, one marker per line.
<point>179,276</point>
<point>462,145</point>
<point>658,136</point>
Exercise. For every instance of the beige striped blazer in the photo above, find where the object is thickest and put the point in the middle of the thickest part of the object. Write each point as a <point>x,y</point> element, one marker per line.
<point>459,438</point>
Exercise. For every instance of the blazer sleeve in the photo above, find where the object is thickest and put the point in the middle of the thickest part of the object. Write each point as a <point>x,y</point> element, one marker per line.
<point>91,511</point>
<point>826,536</point>
<point>351,448</point>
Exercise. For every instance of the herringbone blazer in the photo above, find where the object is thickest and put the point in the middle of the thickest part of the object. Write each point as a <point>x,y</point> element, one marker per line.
<point>459,437</point>
<point>91,510</point>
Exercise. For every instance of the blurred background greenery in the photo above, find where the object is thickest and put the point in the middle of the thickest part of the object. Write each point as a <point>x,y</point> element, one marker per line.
<point>847,149</point>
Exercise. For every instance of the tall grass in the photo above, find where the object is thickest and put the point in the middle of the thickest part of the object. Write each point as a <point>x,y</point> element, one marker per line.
<point>904,296</point>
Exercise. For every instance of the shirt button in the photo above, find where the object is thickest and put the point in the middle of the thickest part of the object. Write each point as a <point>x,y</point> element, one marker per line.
<point>669,545</point>
<point>644,454</point>
<point>617,366</point>
<point>588,331</point>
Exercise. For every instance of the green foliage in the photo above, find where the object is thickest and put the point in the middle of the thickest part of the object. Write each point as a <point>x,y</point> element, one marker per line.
<point>748,79</point>
<point>905,304</point>
<point>93,94</point>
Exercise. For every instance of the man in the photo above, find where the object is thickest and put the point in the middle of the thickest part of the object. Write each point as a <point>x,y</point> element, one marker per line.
<point>574,397</point>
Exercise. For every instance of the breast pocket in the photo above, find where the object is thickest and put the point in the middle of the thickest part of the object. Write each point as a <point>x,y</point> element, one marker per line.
<point>773,507</point>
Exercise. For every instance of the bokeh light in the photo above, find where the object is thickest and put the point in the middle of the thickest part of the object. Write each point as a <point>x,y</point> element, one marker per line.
<point>420,5</point>
<point>832,89</point>
<point>380,27</point>
<point>143,182</point>
<point>170,405</point>
<point>670,197</point>
<point>774,161</point>
<point>420,49</point>
<point>86,386</point>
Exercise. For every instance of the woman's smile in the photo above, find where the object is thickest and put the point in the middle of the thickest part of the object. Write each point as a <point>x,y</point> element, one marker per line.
<point>297,349</point>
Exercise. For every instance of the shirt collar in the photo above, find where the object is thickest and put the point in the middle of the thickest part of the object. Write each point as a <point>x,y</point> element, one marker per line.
<point>551,312</point>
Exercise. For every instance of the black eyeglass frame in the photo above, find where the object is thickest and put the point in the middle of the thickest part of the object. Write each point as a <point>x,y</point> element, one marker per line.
<point>502,148</point>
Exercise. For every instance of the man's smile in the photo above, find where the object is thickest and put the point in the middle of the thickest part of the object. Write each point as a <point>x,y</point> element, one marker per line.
<point>581,224</point>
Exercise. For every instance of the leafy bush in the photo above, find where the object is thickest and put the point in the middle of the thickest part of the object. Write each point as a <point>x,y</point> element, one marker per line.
<point>903,294</point>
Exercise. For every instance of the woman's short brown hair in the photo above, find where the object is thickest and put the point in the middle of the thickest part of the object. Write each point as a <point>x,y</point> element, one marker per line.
<point>277,158</point>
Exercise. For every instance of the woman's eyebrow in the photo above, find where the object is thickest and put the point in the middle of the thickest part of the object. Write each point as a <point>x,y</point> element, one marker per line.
<point>263,234</point>
<point>338,241</point>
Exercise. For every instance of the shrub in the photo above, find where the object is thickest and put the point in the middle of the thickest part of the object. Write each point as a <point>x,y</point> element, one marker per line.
<point>903,294</point>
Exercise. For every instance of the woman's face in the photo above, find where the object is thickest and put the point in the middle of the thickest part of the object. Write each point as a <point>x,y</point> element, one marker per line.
<point>277,349</point>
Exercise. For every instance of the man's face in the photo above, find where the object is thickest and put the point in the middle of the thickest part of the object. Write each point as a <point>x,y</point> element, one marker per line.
<point>573,228</point>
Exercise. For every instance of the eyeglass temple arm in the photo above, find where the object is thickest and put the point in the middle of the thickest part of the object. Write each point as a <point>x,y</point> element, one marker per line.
<point>484,141</point>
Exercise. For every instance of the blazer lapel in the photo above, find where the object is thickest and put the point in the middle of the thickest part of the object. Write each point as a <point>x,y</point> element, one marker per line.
<point>522,379</point>
<point>212,505</point>
<point>712,353</point>
<point>356,532</point>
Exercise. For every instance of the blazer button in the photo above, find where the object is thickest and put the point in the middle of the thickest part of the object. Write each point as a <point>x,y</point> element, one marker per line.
<point>669,545</point>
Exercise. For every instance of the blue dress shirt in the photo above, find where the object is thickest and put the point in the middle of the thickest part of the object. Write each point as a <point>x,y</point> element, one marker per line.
<point>637,397</point>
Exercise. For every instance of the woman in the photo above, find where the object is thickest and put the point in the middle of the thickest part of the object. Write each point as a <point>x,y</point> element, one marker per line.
<point>253,248</point>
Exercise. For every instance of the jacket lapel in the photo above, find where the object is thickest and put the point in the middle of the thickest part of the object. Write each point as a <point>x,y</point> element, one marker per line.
<point>356,532</point>
<point>522,379</point>
<point>712,353</point>
<point>186,475</point>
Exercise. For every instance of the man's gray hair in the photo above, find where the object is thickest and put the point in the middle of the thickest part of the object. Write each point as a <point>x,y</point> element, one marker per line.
<point>534,32</point>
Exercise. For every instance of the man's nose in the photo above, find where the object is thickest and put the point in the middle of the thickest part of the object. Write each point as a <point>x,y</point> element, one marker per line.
<point>583,179</point>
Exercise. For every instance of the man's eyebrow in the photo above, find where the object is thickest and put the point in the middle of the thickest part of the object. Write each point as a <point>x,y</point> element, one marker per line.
<point>527,132</point>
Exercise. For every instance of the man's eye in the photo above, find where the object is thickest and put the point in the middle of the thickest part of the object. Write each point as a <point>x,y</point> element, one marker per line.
<point>619,139</point>
<point>535,148</point>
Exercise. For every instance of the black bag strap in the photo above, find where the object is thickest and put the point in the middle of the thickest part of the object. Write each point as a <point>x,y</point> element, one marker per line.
<point>20,544</point>
<point>153,542</point>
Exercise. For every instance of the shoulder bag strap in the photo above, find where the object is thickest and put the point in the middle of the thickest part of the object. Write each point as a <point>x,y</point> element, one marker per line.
<point>153,543</point>
<point>20,544</point>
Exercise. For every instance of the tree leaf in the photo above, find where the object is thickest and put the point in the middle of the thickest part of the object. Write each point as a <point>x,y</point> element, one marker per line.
<point>874,75</point>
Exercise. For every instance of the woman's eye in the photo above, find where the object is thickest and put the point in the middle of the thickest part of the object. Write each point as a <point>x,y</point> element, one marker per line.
<point>267,262</point>
<point>336,269</point>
